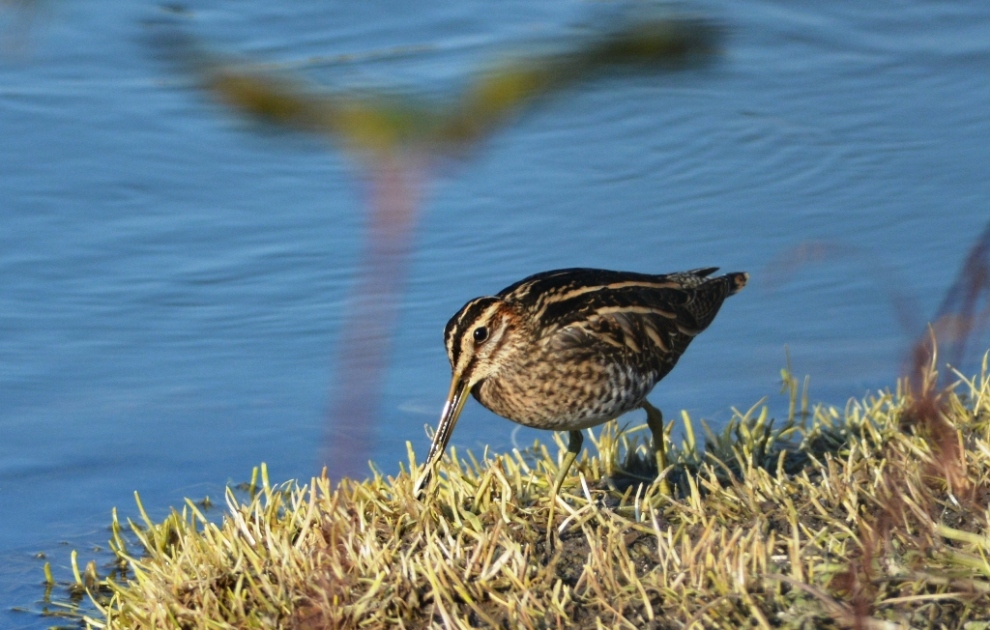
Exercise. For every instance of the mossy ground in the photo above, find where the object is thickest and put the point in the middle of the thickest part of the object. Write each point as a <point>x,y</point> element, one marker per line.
<point>874,516</point>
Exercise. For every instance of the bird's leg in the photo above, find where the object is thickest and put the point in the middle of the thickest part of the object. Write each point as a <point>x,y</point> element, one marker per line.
<point>654,419</point>
<point>573,449</point>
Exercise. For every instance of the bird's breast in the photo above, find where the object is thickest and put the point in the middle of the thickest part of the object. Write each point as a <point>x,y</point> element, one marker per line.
<point>566,395</point>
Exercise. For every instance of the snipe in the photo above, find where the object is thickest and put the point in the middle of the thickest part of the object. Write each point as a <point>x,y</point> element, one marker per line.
<point>570,349</point>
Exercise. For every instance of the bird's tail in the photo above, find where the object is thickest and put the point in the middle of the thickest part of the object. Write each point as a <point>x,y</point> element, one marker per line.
<point>737,281</point>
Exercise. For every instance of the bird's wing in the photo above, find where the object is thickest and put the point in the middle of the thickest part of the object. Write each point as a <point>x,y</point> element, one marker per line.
<point>645,321</point>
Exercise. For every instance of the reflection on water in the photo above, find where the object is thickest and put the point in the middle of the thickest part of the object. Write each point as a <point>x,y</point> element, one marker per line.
<point>172,282</point>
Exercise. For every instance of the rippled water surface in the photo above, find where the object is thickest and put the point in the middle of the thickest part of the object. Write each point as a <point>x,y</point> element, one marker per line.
<point>173,279</point>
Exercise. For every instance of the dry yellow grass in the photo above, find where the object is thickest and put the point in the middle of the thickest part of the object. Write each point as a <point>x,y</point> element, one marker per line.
<point>862,518</point>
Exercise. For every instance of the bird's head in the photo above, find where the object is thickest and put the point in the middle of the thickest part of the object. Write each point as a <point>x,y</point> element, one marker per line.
<point>479,338</point>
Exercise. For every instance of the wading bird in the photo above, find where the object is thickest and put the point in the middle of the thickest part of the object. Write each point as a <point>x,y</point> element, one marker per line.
<point>570,349</point>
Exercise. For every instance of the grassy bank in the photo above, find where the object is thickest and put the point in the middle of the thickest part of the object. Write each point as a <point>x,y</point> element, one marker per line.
<point>872,516</point>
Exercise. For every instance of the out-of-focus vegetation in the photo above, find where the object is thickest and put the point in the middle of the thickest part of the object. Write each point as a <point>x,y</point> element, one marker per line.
<point>388,122</point>
<point>398,138</point>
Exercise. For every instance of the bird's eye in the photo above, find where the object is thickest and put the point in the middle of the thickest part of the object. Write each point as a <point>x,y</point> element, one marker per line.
<point>480,334</point>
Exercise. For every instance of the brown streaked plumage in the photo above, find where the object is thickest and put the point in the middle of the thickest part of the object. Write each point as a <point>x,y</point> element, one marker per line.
<point>573,348</point>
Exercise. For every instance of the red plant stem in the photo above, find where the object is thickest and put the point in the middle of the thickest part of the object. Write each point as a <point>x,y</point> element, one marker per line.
<point>369,319</point>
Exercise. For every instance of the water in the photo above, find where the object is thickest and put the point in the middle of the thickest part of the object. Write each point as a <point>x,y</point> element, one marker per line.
<point>173,280</point>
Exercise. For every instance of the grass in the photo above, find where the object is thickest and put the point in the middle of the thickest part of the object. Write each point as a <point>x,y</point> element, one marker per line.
<point>873,516</point>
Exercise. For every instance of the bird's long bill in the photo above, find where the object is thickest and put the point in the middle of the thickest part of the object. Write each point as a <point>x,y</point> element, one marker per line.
<point>456,398</point>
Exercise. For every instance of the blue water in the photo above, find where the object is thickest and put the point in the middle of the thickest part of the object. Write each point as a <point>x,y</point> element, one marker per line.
<point>173,279</point>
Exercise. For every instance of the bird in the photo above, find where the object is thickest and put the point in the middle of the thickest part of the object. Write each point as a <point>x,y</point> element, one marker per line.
<point>573,348</point>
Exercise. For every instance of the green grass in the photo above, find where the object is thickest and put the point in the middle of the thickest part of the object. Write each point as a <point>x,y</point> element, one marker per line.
<point>873,516</point>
